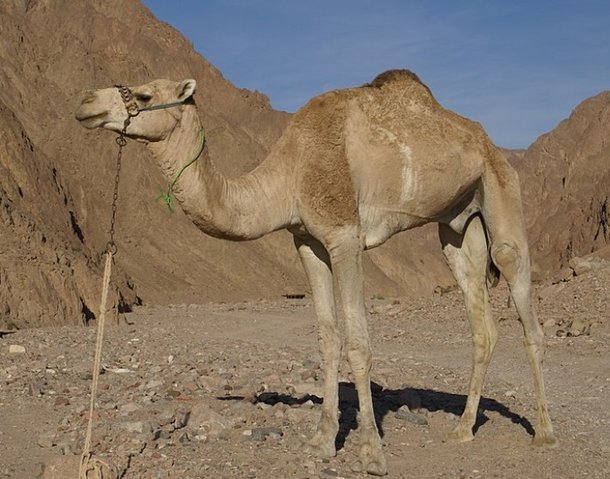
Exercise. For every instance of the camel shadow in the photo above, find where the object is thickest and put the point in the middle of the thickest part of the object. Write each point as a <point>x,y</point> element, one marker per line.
<point>386,401</point>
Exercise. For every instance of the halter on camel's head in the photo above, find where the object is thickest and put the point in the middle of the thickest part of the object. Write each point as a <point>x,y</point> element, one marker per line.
<point>132,107</point>
<point>133,110</point>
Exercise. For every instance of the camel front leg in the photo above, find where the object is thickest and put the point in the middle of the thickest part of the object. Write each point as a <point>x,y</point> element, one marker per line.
<point>317,266</point>
<point>346,258</point>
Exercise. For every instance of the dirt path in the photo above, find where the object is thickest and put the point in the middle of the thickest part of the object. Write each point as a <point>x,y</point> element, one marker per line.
<point>230,390</point>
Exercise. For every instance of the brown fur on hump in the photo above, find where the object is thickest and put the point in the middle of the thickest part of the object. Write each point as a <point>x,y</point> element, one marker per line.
<point>326,185</point>
<point>391,76</point>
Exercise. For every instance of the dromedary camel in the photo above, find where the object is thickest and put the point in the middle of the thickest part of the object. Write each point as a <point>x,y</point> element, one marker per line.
<point>352,168</point>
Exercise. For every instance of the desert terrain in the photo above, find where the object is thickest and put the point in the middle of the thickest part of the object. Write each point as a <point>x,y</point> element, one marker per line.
<point>231,389</point>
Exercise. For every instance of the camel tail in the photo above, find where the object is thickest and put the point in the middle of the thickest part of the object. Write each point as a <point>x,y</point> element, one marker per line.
<point>493,274</point>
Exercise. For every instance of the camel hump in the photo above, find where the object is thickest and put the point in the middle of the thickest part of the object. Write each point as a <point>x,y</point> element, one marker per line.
<point>391,76</point>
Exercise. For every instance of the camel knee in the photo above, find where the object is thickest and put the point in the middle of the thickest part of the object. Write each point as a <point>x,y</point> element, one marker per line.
<point>534,339</point>
<point>507,258</point>
<point>328,329</point>
<point>359,356</point>
<point>328,334</point>
<point>484,344</point>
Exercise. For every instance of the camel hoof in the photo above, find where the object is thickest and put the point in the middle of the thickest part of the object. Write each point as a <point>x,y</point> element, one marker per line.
<point>545,440</point>
<point>375,468</point>
<point>459,435</point>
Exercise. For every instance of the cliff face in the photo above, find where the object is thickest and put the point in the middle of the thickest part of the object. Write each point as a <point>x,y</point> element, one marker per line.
<point>56,178</point>
<point>565,178</point>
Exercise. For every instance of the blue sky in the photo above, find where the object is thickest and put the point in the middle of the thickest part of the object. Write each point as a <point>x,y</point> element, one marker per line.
<point>519,67</point>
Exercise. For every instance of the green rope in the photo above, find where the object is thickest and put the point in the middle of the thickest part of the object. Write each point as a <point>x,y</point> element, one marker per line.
<point>168,196</point>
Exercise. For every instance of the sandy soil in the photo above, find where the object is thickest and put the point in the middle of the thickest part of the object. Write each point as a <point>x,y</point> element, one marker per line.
<point>230,390</point>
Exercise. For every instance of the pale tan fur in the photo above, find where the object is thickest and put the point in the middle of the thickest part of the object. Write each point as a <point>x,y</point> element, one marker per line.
<point>352,168</point>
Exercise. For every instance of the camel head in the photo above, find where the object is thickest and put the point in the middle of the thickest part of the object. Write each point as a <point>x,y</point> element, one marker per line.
<point>156,109</point>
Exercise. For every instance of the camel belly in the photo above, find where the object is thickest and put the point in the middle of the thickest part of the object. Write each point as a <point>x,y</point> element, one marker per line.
<point>401,192</point>
<point>408,167</point>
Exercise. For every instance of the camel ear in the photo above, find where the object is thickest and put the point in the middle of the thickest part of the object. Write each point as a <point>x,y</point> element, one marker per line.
<point>185,89</point>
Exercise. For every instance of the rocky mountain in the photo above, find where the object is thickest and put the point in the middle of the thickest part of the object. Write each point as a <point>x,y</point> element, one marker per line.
<point>56,179</point>
<point>565,178</point>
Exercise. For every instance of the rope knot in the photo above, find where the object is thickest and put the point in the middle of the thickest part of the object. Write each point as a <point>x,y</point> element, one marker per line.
<point>96,468</point>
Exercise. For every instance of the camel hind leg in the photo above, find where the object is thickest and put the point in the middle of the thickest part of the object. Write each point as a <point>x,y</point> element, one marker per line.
<point>467,257</point>
<point>509,250</point>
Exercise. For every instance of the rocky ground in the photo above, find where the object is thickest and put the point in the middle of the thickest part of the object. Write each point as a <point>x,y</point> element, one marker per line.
<point>230,390</point>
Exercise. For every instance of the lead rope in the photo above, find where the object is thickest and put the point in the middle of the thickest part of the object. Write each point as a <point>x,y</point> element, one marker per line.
<point>93,467</point>
<point>167,197</point>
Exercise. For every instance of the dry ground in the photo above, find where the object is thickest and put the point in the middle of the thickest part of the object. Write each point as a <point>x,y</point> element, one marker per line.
<point>230,390</point>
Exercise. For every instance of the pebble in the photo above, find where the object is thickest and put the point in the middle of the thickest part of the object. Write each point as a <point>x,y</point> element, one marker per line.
<point>129,408</point>
<point>47,439</point>
<point>208,425</point>
<point>16,349</point>
<point>203,417</point>
<point>329,472</point>
<point>137,427</point>
<point>262,433</point>
<point>153,384</point>
<point>406,415</point>
<point>549,323</point>
<point>575,328</point>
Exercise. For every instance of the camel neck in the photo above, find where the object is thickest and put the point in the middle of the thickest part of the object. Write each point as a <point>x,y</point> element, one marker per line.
<point>242,208</point>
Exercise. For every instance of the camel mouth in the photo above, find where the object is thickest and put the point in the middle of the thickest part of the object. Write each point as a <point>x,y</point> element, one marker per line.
<point>90,120</point>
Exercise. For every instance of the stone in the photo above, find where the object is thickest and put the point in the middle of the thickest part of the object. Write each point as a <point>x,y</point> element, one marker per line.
<point>47,439</point>
<point>137,427</point>
<point>406,415</point>
<point>328,472</point>
<point>129,408</point>
<point>153,384</point>
<point>262,433</point>
<point>574,328</point>
<point>578,327</point>
<point>16,349</point>
<point>161,434</point>
<point>203,417</point>
<point>585,265</point>
<point>549,323</point>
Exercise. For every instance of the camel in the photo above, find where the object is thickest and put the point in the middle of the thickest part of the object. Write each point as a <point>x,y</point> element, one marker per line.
<point>352,168</point>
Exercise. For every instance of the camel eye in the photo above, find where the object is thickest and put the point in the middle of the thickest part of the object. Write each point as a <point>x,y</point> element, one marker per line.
<point>143,97</point>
